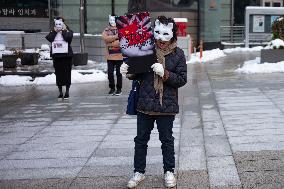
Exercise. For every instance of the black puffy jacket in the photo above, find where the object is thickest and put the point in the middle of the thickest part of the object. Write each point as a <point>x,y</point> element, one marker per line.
<point>175,77</point>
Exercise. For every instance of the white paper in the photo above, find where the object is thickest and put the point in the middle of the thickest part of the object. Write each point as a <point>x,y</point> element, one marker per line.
<point>59,47</point>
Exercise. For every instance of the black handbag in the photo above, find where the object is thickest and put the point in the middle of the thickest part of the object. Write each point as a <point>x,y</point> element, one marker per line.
<point>133,98</point>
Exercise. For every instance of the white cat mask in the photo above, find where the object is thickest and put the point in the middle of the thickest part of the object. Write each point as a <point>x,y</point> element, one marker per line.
<point>58,24</point>
<point>111,20</point>
<point>162,31</point>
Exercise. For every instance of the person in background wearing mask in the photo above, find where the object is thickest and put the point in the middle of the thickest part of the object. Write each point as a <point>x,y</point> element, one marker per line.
<point>61,52</point>
<point>113,56</point>
<point>158,100</point>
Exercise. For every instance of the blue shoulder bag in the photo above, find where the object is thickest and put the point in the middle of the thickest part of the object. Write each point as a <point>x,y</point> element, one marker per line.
<point>133,98</point>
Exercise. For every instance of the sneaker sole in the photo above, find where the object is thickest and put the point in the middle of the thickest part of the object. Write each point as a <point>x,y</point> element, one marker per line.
<point>171,186</point>
<point>137,183</point>
<point>118,94</point>
<point>59,99</point>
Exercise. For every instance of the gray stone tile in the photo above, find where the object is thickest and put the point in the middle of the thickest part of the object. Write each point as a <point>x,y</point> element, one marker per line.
<point>217,146</point>
<point>41,173</point>
<point>192,158</point>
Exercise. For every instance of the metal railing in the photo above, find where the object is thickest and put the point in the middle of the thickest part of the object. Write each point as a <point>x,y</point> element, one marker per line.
<point>232,34</point>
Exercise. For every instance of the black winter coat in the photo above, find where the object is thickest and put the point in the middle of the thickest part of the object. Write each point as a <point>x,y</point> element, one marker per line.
<point>67,36</point>
<point>175,77</point>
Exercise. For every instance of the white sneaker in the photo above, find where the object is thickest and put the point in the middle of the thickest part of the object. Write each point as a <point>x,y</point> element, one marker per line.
<point>135,180</point>
<point>170,180</point>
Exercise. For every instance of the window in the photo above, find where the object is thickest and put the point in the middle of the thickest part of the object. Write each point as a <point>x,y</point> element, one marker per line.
<point>278,4</point>
<point>272,3</point>
<point>171,5</point>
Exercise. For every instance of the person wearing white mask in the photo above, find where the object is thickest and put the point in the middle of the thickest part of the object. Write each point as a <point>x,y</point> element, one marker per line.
<point>61,52</point>
<point>158,100</point>
<point>113,56</point>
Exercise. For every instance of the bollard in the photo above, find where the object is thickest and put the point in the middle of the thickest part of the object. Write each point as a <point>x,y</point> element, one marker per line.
<point>201,49</point>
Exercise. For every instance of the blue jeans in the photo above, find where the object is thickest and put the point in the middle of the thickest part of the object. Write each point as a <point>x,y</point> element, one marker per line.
<point>145,124</point>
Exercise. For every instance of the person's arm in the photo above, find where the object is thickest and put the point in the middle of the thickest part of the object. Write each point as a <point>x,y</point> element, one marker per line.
<point>51,36</point>
<point>114,44</point>
<point>177,78</point>
<point>109,38</point>
<point>67,35</point>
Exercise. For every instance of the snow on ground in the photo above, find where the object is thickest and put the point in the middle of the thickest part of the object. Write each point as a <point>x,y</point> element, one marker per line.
<point>254,66</point>
<point>242,49</point>
<point>77,77</point>
<point>207,56</point>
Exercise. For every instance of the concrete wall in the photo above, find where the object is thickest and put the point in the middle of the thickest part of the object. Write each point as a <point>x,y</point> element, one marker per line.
<point>94,45</point>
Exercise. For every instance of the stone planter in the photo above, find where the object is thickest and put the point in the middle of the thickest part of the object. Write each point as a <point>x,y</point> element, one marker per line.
<point>80,59</point>
<point>272,55</point>
<point>29,58</point>
<point>9,61</point>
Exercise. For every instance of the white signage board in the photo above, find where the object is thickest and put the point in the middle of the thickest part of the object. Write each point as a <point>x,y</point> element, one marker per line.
<point>59,47</point>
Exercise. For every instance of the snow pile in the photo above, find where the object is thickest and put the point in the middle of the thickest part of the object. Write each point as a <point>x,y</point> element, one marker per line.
<point>275,44</point>
<point>44,47</point>
<point>77,77</point>
<point>254,66</point>
<point>2,47</point>
<point>207,56</point>
<point>5,52</point>
<point>12,32</point>
<point>243,49</point>
<point>87,34</point>
<point>31,50</point>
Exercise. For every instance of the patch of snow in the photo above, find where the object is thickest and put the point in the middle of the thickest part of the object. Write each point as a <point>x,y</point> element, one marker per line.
<point>2,47</point>
<point>5,52</point>
<point>45,47</point>
<point>31,50</point>
<point>242,49</point>
<point>207,56</point>
<point>254,66</point>
<point>276,43</point>
<point>44,55</point>
<point>87,34</point>
<point>12,32</point>
<point>14,80</point>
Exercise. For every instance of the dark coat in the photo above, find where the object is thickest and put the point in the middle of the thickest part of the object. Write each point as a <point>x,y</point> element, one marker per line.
<point>67,36</point>
<point>175,77</point>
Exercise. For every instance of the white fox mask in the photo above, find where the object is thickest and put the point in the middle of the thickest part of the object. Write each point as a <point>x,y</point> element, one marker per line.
<point>58,24</point>
<point>111,20</point>
<point>162,31</point>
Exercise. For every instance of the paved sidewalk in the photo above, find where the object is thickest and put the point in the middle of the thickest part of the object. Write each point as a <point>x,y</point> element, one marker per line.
<point>229,134</point>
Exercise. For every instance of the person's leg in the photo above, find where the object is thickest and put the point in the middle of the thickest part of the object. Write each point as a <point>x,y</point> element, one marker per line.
<point>145,124</point>
<point>56,65</point>
<point>60,91</point>
<point>66,96</point>
<point>119,77</point>
<point>165,128</point>
<point>68,63</point>
<point>110,70</point>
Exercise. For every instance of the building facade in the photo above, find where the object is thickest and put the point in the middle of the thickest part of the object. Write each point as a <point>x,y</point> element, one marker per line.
<point>204,16</point>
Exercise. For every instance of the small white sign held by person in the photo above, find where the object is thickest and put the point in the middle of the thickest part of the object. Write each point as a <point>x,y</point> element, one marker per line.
<point>59,45</point>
